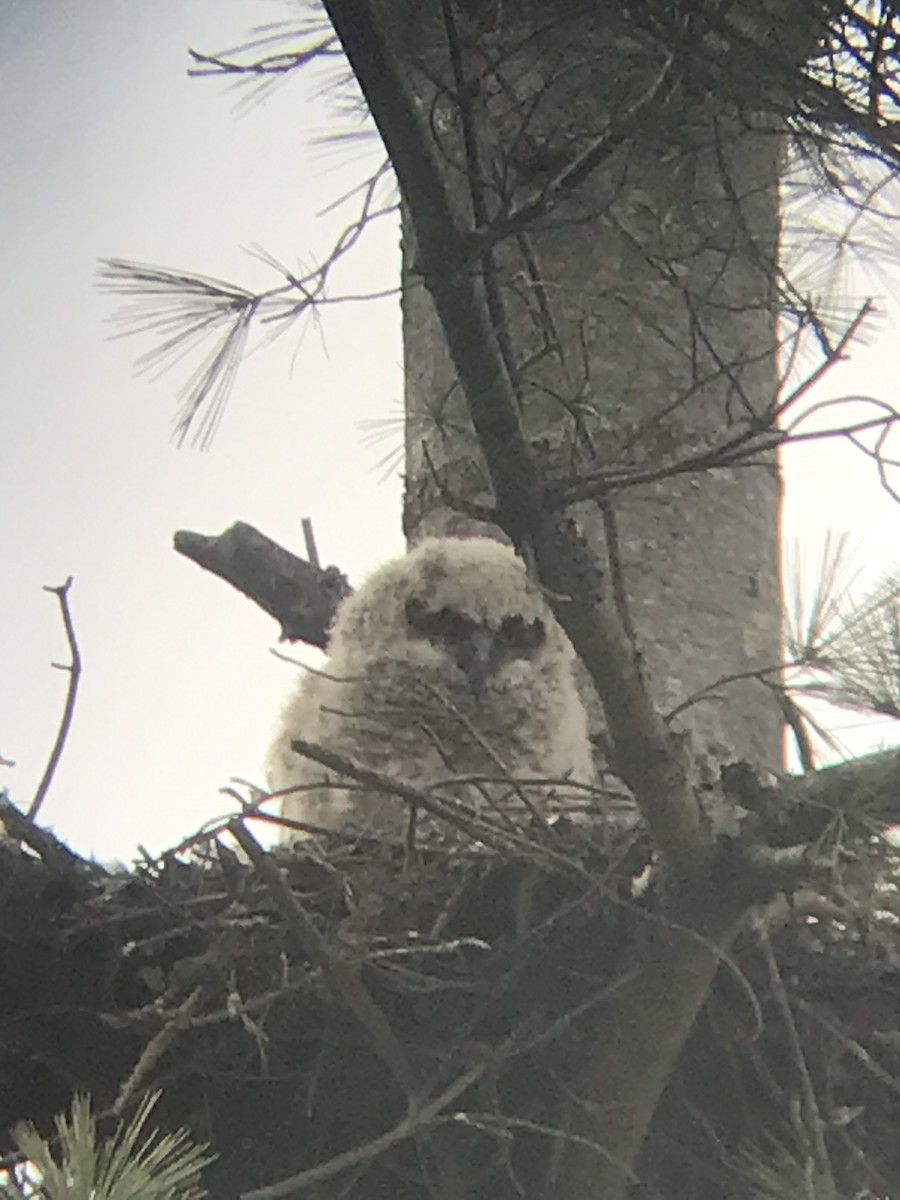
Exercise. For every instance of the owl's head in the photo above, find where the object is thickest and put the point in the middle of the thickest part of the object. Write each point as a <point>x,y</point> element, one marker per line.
<point>466,598</point>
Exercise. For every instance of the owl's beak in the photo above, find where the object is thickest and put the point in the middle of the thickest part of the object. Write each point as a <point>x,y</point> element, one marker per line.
<point>475,656</point>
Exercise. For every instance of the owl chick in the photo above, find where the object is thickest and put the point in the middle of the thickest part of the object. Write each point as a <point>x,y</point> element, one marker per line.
<point>447,663</point>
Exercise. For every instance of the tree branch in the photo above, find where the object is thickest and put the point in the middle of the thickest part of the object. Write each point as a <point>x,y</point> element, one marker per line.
<point>453,812</point>
<point>442,250</point>
<point>348,987</point>
<point>636,1044</point>
<point>812,1124</point>
<point>418,1118</point>
<point>74,670</point>
<point>867,788</point>
<point>301,596</point>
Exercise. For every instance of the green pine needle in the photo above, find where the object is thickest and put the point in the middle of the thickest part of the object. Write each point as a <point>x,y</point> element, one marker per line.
<point>816,595</point>
<point>126,1166</point>
<point>861,659</point>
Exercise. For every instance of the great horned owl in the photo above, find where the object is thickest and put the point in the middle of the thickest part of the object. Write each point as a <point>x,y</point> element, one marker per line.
<point>446,663</point>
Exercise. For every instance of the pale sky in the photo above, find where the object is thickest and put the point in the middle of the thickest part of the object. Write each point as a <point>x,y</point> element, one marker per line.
<point>109,149</point>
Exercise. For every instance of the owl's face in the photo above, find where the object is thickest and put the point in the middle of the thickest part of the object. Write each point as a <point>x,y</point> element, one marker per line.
<point>466,600</point>
<point>480,649</point>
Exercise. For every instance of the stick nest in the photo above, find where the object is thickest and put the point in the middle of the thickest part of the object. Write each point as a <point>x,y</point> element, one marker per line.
<point>234,988</point>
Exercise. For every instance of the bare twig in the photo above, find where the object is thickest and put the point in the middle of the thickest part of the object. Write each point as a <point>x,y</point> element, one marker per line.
<point>813,1126</point>
<point>74,670</point>
<point>278,63</point>
<point>498,1124</point>
<point>859,1052</point>
<point>348,987</point>
<point>712,691</point>
<point>616,570</point>
<point>832,355</point>
<point>156,1048</point>
<point>460,816</point>
<point>418,1118</point>
<point>309,540</point>
<point>587,161</point>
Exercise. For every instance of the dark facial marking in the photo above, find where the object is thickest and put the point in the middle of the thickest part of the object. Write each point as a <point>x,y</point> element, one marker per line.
<point>478,648</point>
<point>446,625</point>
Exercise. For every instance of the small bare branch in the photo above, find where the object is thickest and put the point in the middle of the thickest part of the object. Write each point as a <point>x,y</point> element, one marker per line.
<point>277,63</point>
<point>813,1125</point>
<point>74,671</point>
<point>155,1049</point>
<point>309,539</point>
<point>453,812</point>
<point>831,355</point>
<point>574,173</point>
<point>418,1118</point>
<point>348,987</point>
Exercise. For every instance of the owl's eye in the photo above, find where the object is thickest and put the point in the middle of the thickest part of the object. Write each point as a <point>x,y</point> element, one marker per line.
<point>445,625</point>
<point>518,638</point>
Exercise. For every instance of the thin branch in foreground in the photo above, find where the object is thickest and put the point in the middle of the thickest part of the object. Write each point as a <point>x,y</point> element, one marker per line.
<point>417,1119</point>
<point>348,987</point>
<point>831,354</point>
<point>276,63</point>
<point>712,691</point>
<point>859,1052</point>
<point>500,1125</point>
<point>74,670</point>
<point>460,816</point>
<point>575,172</point>
<point>813,1125</point>
<point>272,53</point>
<point>423,1113</point>
<point>156,1048</point>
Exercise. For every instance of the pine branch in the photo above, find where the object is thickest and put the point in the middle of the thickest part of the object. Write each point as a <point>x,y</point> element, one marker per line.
<point>123,1167</point>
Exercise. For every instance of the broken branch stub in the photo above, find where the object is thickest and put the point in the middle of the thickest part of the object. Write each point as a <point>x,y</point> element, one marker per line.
<point>302,598</point>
